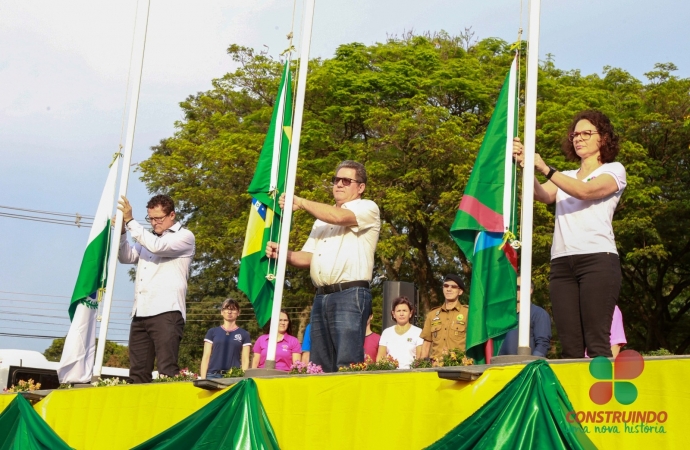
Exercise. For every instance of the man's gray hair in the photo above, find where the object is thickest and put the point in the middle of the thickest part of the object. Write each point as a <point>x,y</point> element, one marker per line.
<point>359,169</point>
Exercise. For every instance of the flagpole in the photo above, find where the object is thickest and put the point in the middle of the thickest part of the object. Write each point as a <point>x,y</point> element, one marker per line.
<point>528,177</point>
<point>124,180</point>
<point>286,218</point>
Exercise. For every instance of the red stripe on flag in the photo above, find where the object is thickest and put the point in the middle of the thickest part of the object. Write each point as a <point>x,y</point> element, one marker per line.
<point>511,254</point>
<point>488,218</point>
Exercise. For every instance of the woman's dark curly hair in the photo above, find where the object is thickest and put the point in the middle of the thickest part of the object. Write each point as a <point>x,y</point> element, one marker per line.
<point>609,139</point>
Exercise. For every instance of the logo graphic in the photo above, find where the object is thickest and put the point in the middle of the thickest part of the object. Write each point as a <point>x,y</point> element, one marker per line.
<point>628,365</point>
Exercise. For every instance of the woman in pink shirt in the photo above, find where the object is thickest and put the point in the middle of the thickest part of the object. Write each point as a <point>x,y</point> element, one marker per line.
<point>288,349</point>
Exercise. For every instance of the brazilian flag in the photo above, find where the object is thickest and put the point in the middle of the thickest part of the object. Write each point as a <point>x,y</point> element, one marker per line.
<point>256,278</point>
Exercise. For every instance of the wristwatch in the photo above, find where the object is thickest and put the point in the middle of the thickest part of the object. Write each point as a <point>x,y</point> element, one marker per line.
<point>552,170</point>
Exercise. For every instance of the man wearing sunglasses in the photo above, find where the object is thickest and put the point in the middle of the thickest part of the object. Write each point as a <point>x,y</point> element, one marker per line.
<point>163,258</point>
<point>445,327</point>
<point>340,256</point>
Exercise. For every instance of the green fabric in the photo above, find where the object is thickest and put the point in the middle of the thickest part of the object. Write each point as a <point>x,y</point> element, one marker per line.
<point>529,412</point>
<point>21,428</point>
<point>93,271</point>
<point>263,225</point>
<point>234,420</point>
<point>479,230</point>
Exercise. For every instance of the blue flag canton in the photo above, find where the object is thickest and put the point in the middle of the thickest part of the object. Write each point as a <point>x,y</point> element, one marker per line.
<point>260,208</point>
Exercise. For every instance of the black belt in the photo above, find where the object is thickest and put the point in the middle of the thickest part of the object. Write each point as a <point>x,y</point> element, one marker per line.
<point>341,287</point>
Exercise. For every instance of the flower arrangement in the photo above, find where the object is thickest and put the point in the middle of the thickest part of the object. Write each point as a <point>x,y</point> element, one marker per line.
<point>387,363</point>
<point>299,368</point>
<point>108,382</point>
<point>660,352</point>
<point>23,386</point>
<point>184,375</point>
<point>424,363</point>
<point>453,357</point>
<point>234,372</point>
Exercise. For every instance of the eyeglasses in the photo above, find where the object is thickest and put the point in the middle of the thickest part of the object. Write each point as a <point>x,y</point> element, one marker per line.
<point>585,135</point>
<point>156,219</point>
<point>450,286</point>
<point>346,181</point>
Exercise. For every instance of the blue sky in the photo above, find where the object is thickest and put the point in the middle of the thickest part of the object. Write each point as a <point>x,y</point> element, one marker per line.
<point>63,72</point>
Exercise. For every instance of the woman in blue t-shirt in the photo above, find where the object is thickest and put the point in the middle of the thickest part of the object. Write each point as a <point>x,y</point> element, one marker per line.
<point>225,346</point>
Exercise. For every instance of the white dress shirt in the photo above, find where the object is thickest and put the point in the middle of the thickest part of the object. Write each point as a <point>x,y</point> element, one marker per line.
<point>340,253</point>
<point>163,269</point>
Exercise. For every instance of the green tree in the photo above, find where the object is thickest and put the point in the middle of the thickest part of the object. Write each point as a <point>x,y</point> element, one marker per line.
<point>115,355</point>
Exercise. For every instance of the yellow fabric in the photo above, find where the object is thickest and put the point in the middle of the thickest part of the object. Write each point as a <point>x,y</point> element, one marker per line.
<point>119,417</point>
<point>407,410</point>
<point>5,399</point>
<point>382,411</point>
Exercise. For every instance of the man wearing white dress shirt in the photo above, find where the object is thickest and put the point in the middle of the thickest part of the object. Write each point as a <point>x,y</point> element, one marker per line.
<point>340,257</point>
<point>163,259</point>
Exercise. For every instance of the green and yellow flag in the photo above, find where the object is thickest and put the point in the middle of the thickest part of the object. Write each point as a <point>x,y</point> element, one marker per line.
<point>256,276</point>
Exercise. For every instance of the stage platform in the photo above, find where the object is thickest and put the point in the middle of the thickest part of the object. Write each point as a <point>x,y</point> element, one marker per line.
<point>377,410</point>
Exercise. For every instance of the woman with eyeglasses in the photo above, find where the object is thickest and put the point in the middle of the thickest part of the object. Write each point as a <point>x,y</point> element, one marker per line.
<point>226,346</point>
<point>288,349</point>
<point>401,341</point>
<point>585,269</point>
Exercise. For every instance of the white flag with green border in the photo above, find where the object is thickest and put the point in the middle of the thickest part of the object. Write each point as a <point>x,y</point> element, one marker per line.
<point>78,355</point>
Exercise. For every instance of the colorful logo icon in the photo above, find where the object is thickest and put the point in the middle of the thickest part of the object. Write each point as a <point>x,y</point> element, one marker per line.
<point>628,365</point>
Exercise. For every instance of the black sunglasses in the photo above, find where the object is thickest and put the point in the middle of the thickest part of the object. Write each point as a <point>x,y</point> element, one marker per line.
<point>346,181</point>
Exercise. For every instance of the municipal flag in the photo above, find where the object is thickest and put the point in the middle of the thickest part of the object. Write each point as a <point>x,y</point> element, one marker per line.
<point>78,354</point>
<point>484,224</point>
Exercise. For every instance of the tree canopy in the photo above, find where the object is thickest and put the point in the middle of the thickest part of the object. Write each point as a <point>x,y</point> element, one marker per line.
<point>115,355</point>
<point>414,110</point>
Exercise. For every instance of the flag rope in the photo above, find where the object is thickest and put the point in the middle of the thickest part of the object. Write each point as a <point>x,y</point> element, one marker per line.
<point>272,266</point>
<point>517,244</point>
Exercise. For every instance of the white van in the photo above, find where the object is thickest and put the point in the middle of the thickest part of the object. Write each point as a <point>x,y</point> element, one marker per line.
<point>18,365</point>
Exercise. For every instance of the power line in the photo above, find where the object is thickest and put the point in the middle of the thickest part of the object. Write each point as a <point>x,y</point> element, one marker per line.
<point>127,309</point>
<point>53,323</point>
<point>51,213</point>
<point>35,336</point>
<point>77,223</point>
<point>55,295</point>
<point>77,220</point>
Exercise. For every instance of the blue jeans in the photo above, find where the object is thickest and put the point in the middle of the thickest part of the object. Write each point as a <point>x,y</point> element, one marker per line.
<point>338,324</point>
<point>213,375</point>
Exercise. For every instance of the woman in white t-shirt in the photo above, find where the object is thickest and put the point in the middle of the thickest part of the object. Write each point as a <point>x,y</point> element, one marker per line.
<point>585,270</point>
<point>401,341</point>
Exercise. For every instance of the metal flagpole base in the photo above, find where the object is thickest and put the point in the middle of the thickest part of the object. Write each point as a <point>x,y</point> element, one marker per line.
<point>269,370</point>
<point>514,359</point>
<point>260,373</point>
<point>524,356</point>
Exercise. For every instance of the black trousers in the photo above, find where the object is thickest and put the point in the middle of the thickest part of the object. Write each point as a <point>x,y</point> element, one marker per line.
<point>584,292</point>
<point>155,338</point>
